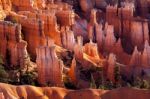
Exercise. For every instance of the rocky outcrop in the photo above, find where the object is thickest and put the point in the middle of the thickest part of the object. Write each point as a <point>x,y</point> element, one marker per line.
<point>121,55</point>
<point>112,18</point>
<point>88,54</point>
<point>32,27</point>
<point>111,67</point>
<point>21,5</point>
<point>67,38</point>
<point>100,37</point>
<point>110,39</point>
<point>66,17</point>
<point>73,71</point>
<point>78,48</point>
<point>6,5</point>
<point>146,55</point>
<point>46,23</point>
<point>139,34</point>
<point>135,59</point>
<point>11,44</point>
<point>49,66</point>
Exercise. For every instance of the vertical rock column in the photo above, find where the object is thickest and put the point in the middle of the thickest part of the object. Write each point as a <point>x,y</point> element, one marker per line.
<point>33,31</point>
<point>110,39</point>
<point>112,18</point>
<point>49,66</point>
<point>67,38</point>
<point>125,14</point>
<point>78,49</point>
<point>2,96</point>
<point>100,37</point>
<point>139,34</point>
<point>111,67</point>
<point>146,55</point>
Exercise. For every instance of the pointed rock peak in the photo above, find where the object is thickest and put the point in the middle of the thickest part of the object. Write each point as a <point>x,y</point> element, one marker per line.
<point>106,24</point>
<point>111,56</point>
<point>67,28</point>
<point>73,61</point>
<point>99,26</point>
<point>119,41</point>
<point>93,12</point>
<point>91,42</point>
<point>146,43</point>
<point>109,30</point>
<point>118,44</point>
<point>62,29</point>
<point>135,50</point>
<point>80,40</point>
<point>93,16</point>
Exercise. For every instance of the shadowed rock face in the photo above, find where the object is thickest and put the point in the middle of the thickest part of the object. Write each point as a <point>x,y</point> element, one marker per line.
<point>31,92</point>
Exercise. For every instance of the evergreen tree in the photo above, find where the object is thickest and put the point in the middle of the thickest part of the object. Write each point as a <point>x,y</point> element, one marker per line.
<point>3,73</point>
<point>92,84</point>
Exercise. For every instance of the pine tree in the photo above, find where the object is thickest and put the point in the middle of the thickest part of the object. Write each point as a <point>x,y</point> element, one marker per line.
<point>92,84</point>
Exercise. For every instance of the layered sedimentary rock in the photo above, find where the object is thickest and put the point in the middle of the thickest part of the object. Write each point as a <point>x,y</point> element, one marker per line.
<point>46,23</point>
<point>146,55</point>
<point>32,27</point>
<point>139,33</point>
<point>48,26</point>
<point>67,38</point>
<point>112,18</point>
<point>100,37</point>
<point>22,5</point>
<point>88,54</point>
<point>120,18</point>
<point>78,48</point>
<point>136,58</point>
<point>110,39</point>
<point>121,56</point>
<point>111,67</point>
<point>65,17</point>
<point>49,66</point>
<point>1,96</point>
<point>11,44</point>
<point>91,26</point>
<point>73,71</point>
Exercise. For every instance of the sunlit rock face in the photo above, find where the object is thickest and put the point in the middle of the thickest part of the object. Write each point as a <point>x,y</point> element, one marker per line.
<point>14,92</point>
<point>68,40</point>
<point>111,66</point>
<point>145,55</point>
<point>12,43</point>
<point>49,66</point>
<point>110,39</point>
<point>6,4</point>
